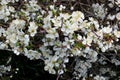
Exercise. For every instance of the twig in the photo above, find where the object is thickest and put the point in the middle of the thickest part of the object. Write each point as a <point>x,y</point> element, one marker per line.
<point>105,57</point>
<point>58,77</point>
<point>84,4</point>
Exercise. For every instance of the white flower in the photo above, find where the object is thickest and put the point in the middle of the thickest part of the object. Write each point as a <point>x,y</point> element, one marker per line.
<point>118,2</point>
<point>103,49</point>
<point>61,7</point>
<point>4,2</point>
<point>69,28</point>
<point>52,7</point>
<point>4,13</point>
<point>20,34</point>
<point>52,33</point>
<point>87,49</point>
<point>76,52</point>
<point>117,33</point>
<point>111,17</point>
<point>99,78</point>
<point>118,16</point>
<point>93,21</point>
<point>32,6</point>
<point>60,71</point>
<point>18,24</point>
<point>11,9</point>
<point>3,45</point>
<point>111,5</point>
<point>12,38</point>
<point>57,21</point>
<point>100,44</point>
<point>95,54</point>
<point>32,28</point>
<point>107,30</point>
<point>72,8</point>
<point>65,15</point>
<point>79,37</point>
<point>77,16</point>
<point>32,54</point>
<point>84,25</point>
<point>87,41</point>
<point>66,60</point>
<point>49,64</point>
<point>99,10</point>
<point>16,52</point>
<point>26,40</point>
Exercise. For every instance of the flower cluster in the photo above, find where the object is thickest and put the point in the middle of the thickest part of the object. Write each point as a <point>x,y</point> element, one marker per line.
<point>54,35</point>
<point>4,69</point>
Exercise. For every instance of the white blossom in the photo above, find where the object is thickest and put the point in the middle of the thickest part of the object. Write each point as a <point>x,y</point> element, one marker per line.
<point>107,29</point>
<point>99,78</point>
<point>87,41</point>
<point>118,16</point>
<point>32,28</point>
<point>99,10</point>
<point>117,2</point>
<point>26,40</point>
<point>117,33</point>
<point>77,16</point>
<point>59,34</point>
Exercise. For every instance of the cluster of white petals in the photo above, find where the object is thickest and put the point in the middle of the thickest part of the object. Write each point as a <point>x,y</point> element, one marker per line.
<point>54,37</point>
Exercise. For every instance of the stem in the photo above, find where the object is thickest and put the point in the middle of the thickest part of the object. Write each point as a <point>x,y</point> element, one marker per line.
<point>58,77</point>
